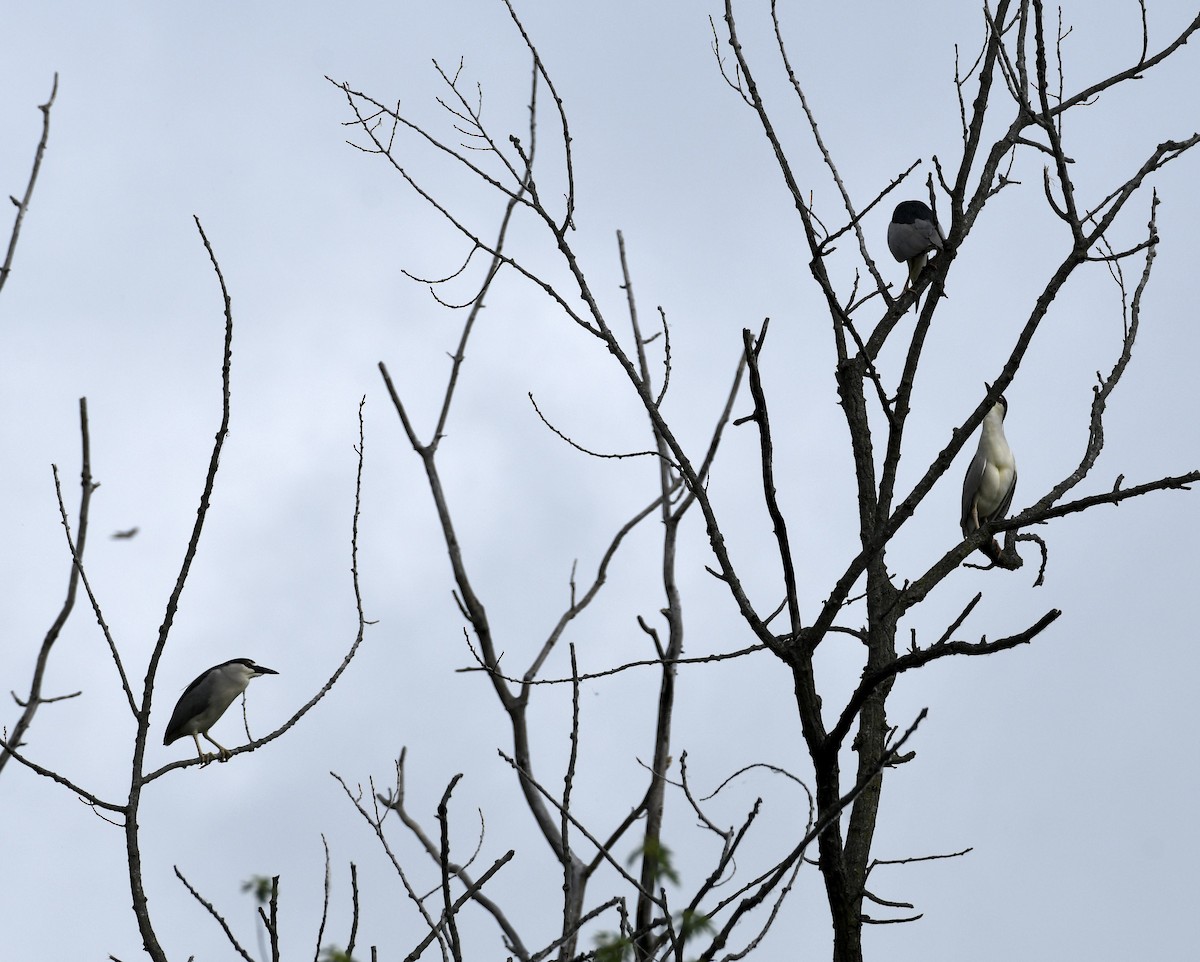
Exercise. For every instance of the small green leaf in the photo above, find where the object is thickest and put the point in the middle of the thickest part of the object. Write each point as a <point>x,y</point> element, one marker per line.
<point>260,885</point>
<point>654,849</point>
<point>693,923</point>
<point>611,947</point>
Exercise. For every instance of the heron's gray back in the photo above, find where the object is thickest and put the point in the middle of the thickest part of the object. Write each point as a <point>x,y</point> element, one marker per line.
<point>907,241</point>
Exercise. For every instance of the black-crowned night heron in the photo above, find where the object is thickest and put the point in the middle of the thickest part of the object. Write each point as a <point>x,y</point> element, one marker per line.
<point>205,700</point>
<point>991,478</point>
<point>912,234</point>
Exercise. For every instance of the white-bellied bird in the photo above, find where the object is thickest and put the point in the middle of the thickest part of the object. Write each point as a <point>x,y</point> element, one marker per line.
<point>205,700</point>
<point>912,234</point>
<point>991,478</point>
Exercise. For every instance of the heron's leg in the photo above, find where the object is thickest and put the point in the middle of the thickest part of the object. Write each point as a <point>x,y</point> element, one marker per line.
<point>225,753</point>
<point>204,759</point>
<point>915,266</point>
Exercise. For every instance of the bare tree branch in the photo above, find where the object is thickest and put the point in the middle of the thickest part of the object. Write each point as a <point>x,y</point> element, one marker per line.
<point>469,894</point>
<point>76,550</point>
<point>23,204</point>
<point>11,749</point>
<point>35,699</point>
<point>220,919</point>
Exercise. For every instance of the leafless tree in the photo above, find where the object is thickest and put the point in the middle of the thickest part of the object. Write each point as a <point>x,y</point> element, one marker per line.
<point>1016,86</point>
<point>645,908</point>
<point>125,813</point>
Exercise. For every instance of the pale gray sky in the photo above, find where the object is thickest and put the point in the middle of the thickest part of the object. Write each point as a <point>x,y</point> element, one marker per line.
<point>1069,765</point>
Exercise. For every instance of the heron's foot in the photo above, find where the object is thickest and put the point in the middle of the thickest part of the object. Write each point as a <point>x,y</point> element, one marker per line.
<point>206,758</point>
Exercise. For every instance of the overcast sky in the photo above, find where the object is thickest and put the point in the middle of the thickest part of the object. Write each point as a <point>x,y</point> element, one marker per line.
<point>1068,765</point>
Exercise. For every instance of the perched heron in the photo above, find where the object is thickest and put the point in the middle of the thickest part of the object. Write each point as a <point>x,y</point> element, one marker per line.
<point>912,234</point>
<point>991,478</point>
<point>205,700</point>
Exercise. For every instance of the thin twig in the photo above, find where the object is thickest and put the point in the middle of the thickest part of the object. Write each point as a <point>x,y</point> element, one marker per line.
<point>23,204</point>
<point>470,893</point>
<point>220,919</point>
